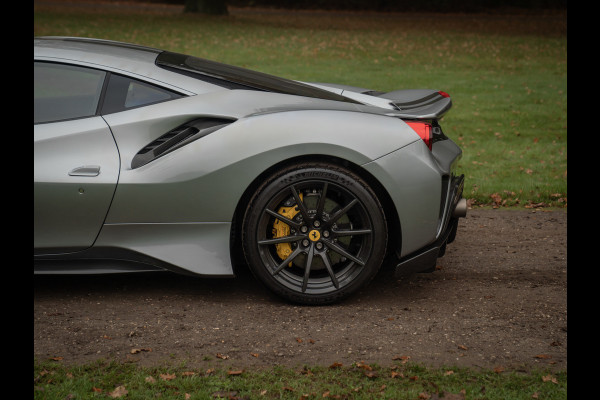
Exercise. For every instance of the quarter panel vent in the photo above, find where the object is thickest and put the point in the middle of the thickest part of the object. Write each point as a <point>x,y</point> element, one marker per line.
<point>177,138</point>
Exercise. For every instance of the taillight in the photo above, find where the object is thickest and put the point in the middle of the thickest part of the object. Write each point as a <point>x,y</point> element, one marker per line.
<point>443,94</point>
<point>424,130</point>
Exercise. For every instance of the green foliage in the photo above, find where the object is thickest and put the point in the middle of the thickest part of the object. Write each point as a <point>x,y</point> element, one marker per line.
<point>507,74</point>
<point>53,380</point>
<point>214,7</point>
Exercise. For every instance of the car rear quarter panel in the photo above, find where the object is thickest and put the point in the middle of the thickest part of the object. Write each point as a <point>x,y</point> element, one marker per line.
<point>179,207</point>
<point>204,180</point>
<point>190,195</point>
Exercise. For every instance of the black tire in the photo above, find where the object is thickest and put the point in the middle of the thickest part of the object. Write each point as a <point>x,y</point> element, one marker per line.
<point>326,247</point>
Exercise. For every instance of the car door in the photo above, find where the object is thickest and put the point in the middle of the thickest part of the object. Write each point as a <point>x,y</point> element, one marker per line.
<point>76,160</point>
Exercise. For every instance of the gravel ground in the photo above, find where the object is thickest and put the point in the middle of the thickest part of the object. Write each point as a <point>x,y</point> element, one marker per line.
<point>498,299</point>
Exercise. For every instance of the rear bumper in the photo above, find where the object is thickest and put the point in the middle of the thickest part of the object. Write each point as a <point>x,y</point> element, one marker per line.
<point>455,207</point>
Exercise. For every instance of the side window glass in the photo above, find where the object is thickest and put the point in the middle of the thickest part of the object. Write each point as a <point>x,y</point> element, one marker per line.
<point>124,93</point>
<point>62,92</point>
<point>139,94</point>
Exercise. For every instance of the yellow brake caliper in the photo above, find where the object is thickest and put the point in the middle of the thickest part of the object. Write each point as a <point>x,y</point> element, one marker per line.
<point>281,229</point>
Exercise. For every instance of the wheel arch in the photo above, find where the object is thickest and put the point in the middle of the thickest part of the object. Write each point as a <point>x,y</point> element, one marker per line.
<point>391,214</point>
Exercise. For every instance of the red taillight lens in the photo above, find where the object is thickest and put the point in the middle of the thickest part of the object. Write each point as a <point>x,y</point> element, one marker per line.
<point>444,94</point>
<point>424,130</point>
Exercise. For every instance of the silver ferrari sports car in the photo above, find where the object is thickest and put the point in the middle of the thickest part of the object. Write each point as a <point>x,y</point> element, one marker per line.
<point>150,160</point>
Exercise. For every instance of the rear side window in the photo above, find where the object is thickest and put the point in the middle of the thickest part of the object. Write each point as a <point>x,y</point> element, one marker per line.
<point>124,93</point>
<point>63,92</point>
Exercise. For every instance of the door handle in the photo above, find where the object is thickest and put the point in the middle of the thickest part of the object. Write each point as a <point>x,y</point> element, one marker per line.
<point>86,170</point>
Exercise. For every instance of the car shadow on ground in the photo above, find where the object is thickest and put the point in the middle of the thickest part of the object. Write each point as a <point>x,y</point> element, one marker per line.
<point>242,288</point>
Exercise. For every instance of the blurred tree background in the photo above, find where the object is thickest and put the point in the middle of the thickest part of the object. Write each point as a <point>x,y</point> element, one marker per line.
<point>465,6</point>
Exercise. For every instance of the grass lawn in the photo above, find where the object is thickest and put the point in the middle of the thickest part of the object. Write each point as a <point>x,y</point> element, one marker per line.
<point>53,380</point>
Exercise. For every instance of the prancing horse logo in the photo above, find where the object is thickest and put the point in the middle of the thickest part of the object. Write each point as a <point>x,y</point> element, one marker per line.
<point>314,235</point>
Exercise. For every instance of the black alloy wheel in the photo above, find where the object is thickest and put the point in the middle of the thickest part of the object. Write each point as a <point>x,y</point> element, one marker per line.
<point>314,233</point>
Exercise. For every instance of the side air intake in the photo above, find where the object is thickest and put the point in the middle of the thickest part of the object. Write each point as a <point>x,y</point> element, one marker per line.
<point>177,138</point>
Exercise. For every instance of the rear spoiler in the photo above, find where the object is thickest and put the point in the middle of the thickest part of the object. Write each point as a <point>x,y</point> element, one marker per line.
<point>419,103</point>
<point>410,103</point>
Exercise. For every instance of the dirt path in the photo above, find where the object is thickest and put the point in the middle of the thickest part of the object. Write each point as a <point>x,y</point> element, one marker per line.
<point>498,299</point>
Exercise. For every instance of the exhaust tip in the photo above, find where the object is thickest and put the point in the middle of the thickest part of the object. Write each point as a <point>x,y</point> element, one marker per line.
<point>460,211</point>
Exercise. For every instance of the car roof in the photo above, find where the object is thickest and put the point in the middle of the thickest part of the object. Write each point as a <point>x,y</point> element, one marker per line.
<point>102,52</point>
<point>125,58</point>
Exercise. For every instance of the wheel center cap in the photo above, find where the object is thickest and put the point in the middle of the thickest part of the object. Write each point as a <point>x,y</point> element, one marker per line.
<point>314,235</point>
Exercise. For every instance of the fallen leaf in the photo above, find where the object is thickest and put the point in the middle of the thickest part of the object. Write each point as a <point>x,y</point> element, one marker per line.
<point>499,369</point>
<point>335,365</point>
<point>403,358</point>
<point>188,373</point>
<point>298,340</point>
<point>56,358</point>
<point>135,351</point>
<point>97,390</point>
<point>448,373</point>
<point>222,356</point>
<point>239,372</point>
<point>549,378</point>
<point>364,366</point>
<point>150,379</point>
<point>397,374</point>
<point>543,356</point>
<point>371,374</point>
<point>462,347</point>
<point>254,354</point>
<point>167,377</point>
<point>119,391</point>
